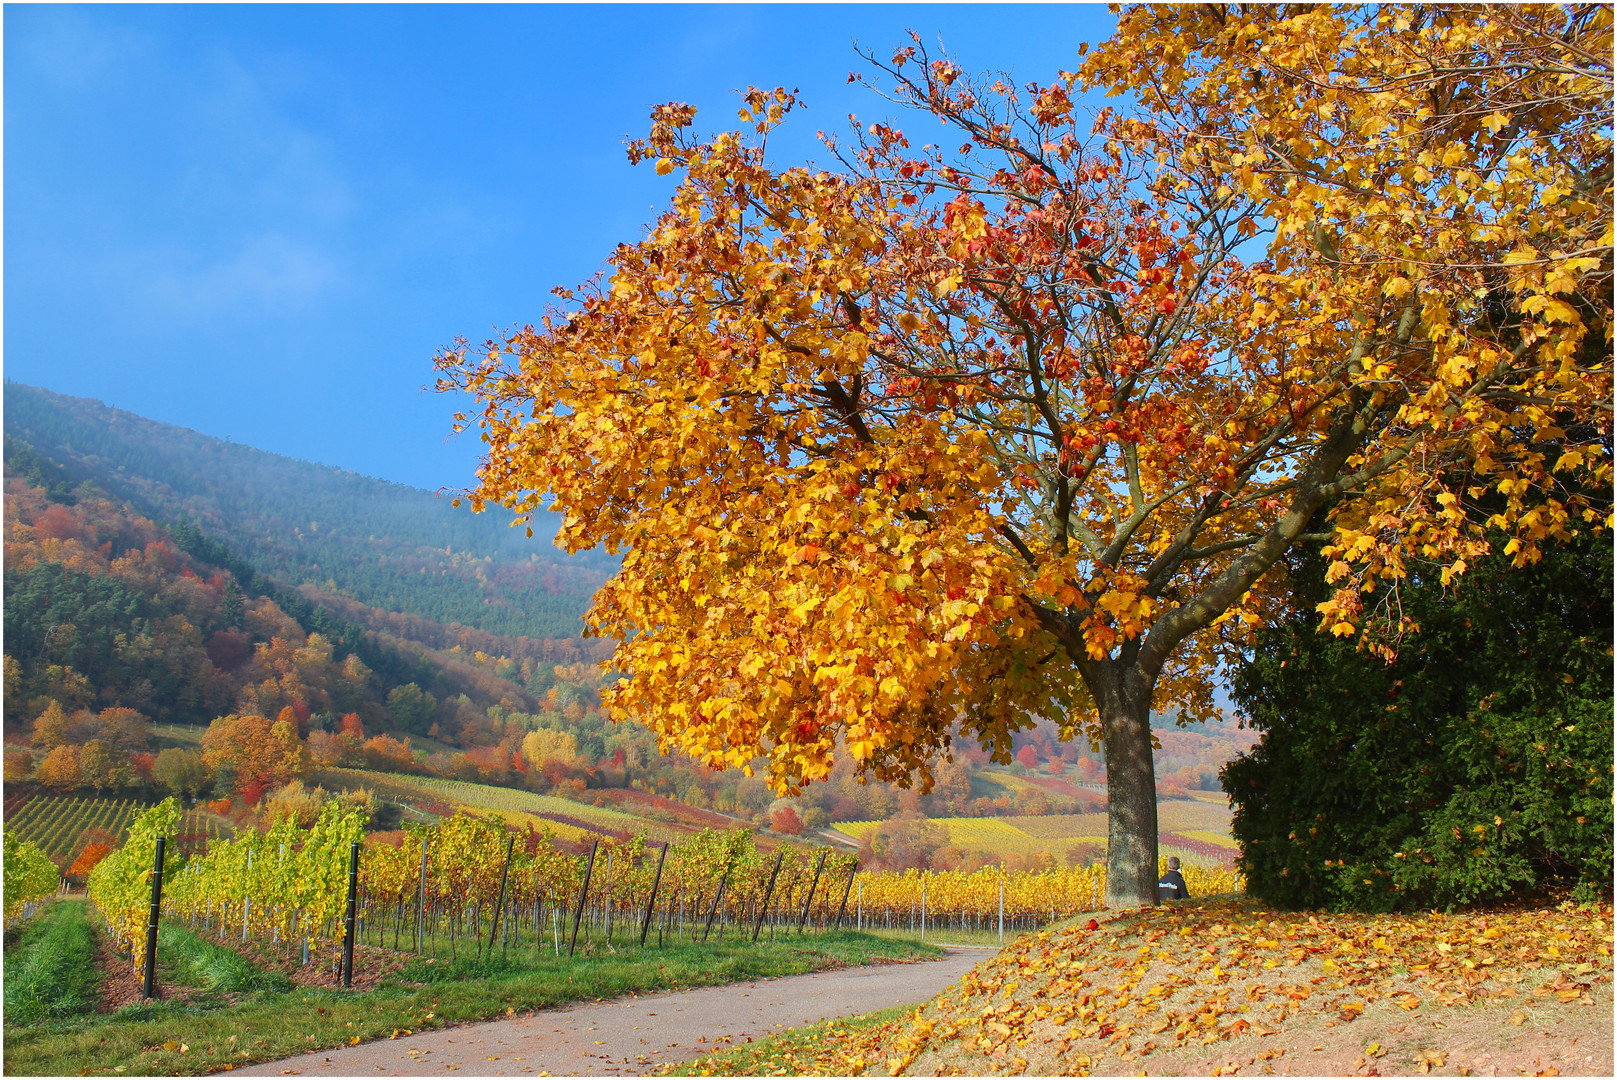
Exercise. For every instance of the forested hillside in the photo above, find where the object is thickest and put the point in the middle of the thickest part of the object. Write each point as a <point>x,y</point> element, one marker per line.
<point>381,544</point>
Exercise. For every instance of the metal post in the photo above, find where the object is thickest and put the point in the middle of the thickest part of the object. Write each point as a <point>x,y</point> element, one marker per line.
<point>768,892</point>
<point>923,910</point>
<point>421,919</point>
<point>651,901</point>
<point>802,920</point>
<point>510,844</point>
<point>1002,911</point>
<point>844,905</point>
<point>718,896</point>
<point>148,986</point>
<point>348,918</point>
<point>861,906</point>
<point>578,913</point>
<point>247,901</point>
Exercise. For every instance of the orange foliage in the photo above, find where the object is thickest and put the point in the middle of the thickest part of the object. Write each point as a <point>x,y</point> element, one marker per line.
<point>92,854</point>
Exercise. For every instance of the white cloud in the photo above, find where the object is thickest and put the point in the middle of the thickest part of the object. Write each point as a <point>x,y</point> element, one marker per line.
<point>267,274</point>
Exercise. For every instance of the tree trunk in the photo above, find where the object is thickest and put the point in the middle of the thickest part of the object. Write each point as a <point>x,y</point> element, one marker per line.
<point>1122,694</point>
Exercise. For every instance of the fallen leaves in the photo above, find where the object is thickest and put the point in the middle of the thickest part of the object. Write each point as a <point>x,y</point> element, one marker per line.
<point>1089,997</point>
<point>1429,1060</point>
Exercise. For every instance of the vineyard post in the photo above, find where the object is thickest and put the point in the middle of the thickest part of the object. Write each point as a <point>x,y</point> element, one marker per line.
<point>724,880</point>
<point>651,902</point>
<point>1002,911</point>
<point>607,899</point>
<point>421,919</point>
<point>923,909</point>
<point>494,924</point>
<point>861,905</point>
<point>578,912</point>
<point>247,901</point>
<point>348,920</point>
<point>844,905</point>
<point>802,919</point>
<point>768,892</point>
<point>147,986</point>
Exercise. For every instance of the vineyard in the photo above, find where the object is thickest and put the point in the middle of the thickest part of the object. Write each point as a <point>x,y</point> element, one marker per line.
<point>57,824</point>
<point>465,886</point>
<point>1195,831</point>
<point>567,819</point>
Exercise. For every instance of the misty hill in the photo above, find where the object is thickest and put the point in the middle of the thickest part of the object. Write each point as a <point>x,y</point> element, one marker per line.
<point>387,546</point>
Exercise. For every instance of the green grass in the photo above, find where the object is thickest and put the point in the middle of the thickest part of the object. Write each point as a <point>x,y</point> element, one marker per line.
<point>791,1053</point>
<point>190,961</point>
<point>172,1037</point>
<point>50,965</point>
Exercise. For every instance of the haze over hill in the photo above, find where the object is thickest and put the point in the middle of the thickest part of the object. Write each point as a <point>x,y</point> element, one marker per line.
<point>386,545</point>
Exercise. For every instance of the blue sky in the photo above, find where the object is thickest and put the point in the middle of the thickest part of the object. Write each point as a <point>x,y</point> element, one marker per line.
<point>261,221</point>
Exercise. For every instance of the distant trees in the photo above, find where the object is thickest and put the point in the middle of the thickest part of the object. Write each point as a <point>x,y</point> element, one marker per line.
<point>372,537</point>
<point>252,753</point>
<point>388,754</point>
<point>103,766</point>
<point>547,745</point>
<point>60,769</point>
<point>902,844</point>
<point>411,708</point>
<point>54,727</point>
<point>785,820</point>
<point>180,771</point>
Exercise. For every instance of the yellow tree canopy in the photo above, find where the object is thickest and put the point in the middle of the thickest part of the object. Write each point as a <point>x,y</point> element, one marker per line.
<point>1450,162</point>
<point>1015,424</point>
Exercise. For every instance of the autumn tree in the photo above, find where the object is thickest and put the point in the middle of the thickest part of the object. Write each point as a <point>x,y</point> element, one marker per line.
<point>546,745</point>
<point>254,752</point>
<point>56,727</point>
<point>104,766</point>
<point>87,859</point>
<point>387,754</point>
<point>328,749</point>
<point>60,768</point>
<point>952,438</point>
<point>124,727</point>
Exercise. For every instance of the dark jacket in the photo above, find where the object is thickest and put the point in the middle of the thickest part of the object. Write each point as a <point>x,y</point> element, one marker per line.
<point>1171,886</point>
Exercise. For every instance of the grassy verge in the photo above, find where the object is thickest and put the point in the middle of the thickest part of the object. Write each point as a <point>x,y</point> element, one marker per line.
<point>175,1037</point>
<point>791,1053</point>
<point>50,965</point>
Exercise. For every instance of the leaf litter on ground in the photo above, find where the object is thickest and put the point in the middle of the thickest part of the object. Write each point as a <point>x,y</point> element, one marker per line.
<point>1156,989</point>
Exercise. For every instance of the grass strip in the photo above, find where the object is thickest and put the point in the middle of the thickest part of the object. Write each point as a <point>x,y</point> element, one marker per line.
<point>799,1052</point>
<point>184,959</point>
<point>178,1038</point>
<point>50,965</point>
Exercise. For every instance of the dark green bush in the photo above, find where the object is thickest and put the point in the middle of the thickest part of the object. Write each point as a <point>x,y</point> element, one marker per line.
<point>1475,766</point>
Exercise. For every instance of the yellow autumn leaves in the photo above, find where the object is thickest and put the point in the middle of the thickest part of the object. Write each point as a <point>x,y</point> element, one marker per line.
<point>1166,989</point>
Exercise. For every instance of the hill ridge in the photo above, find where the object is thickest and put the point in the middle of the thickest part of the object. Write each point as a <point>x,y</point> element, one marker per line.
<point>379,542</point>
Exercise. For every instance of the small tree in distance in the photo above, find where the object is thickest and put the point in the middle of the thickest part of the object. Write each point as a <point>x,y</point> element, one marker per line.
<point>961,436</point>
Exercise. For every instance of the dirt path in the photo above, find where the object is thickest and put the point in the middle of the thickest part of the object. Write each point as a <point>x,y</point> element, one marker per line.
<point>634,1035</point>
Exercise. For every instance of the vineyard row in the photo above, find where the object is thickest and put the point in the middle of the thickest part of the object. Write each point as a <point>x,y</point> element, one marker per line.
<point>449,885</point>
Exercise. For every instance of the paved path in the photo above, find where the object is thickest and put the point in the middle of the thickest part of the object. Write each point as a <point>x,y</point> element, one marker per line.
<point>634,1035</point>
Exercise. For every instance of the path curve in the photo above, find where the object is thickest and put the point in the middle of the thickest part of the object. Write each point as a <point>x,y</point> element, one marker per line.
<point>634,1035</point>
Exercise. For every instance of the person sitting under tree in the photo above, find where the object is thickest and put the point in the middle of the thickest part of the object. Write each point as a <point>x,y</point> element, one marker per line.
<point>1171,885</point>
